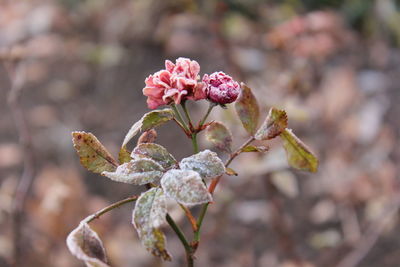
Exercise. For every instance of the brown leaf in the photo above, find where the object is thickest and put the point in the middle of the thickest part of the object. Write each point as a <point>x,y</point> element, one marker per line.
<point>93,155</point>
<point>273,125</point>
<point>219,136</point>
<point>248,110</point>
<point>86,245</point>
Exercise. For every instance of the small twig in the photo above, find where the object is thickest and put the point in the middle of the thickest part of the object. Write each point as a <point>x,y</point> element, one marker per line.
<point>215,182</point>
<point>183,239</point>
<point>210,107</point>
<point>373,232</point>
<point>211,189</point>
<point>17,77</point>
<point>186,112</point>
<point>190,217</point>
<point>179,118</point>
<point>97,214</point>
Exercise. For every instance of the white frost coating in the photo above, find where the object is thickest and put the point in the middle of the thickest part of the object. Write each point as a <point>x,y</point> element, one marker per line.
<point>137,172</point>
<point>133,131</point>
<point>150,210</point>
<point>186,187</point>
<point>155,152</point>
<point>148,215</point>
<point>86,245</point>
<point>206,163</point>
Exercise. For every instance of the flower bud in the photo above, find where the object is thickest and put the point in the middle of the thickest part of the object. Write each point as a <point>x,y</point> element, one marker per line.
<point>221,88</point>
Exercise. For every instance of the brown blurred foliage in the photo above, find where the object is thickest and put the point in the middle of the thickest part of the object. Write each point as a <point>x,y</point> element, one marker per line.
<point>81,65</point>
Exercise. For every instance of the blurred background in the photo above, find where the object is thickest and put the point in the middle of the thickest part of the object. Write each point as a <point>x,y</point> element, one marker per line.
<point>334,66</point>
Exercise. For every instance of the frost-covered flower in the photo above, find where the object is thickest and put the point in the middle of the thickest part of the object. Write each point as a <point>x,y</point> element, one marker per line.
<point>179,81</point>
<point>221,88</point>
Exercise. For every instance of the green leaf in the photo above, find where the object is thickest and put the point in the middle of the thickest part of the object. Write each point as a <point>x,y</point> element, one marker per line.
<point>248,110</point>
<point>206,163</point>
<point>273,125</point>
<point>186,187</point>
<point>155,152</point>
<point>298,154</point>
<point>137,172</point>
<point>148,121</point>
<point>124,155</point>
<point>92,154</point>
<point>252,148</point>
<point>148,215</point>
<point>86,245</point>
<point>219,136</point>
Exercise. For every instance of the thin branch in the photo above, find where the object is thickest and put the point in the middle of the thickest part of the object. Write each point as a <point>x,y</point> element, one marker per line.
<point>215,182</point>
<point>373,232</point>
<point>211,189</point>
<point>190,217</point>
<point>17,76</point>
<point>97,214</point>
<point>183,239</point>
<point>210,107</point>
<point>186,112</point>
<point>179,118</point>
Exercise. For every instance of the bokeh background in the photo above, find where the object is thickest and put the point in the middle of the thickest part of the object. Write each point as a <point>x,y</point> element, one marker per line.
<point>80,65</point>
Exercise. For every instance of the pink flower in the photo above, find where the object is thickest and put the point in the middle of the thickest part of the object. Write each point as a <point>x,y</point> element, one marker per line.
<point>178,82</point>
<point>221,88</point>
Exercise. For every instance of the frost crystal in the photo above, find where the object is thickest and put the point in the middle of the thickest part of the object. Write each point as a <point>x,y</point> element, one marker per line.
<point>206,163</point>
<point>186,187</point>
<point>137,171</point>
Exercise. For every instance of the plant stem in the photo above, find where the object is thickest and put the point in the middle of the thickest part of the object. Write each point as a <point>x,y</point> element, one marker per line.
<point>194,143</point>
<point>190,217</point>
<point>187,115</point>
<point>212,188</point>
<point>97,214</point>
<point>182,238</point>
<point>210,107</point>
<point>179,117</point>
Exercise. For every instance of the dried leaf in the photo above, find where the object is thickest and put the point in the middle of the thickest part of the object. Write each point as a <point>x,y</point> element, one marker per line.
<point>93,155</point>
<point>251,148</point>
<point>137,172</point>
<point>248,110</point>
<point>231,172</point>
<point>148,121</point>
<point>298,154</point>
<point>148,215</point>
<point>219,136</point>
<point>155,152</point>
<point>206,163</point>
<point>186,187</point>
<point>273,125</point>
<point>86,245</point>
<point>148,136</point>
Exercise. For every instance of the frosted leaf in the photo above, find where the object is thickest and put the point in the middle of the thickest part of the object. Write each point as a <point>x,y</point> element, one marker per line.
<point>155,152</point>
<point>137,172</point>
<point>92,154</point>
<point>185,186</point>
<point>206,163</point>
<point>298,154</point>
<point>148,215</point>
<point>86,245</point>
<point>273,125</point>
<point>219,136</point>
